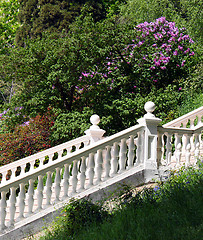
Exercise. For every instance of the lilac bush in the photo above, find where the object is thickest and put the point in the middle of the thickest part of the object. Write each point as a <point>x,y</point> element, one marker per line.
<point>157,54</point>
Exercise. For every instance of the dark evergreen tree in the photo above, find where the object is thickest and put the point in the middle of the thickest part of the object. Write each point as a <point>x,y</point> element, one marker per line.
<point>37,16</point>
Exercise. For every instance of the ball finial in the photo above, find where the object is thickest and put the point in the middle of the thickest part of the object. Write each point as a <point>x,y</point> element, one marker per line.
<point>95,119</point>
<point>149,107</point>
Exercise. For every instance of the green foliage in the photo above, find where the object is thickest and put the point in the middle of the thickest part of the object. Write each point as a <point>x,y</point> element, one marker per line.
<point>190,103</point>
<point>113,6</point>
<point>88,69</point>
<point>76,215</point>
<point>51,16</point>
<point>50,69</point>
<point>71,125</point>
<point>183,177</point>
<point>8,24</point>
<point>185,13</point>
<point>124,112</point>
<point>109,67</point>
<point>155,54</point>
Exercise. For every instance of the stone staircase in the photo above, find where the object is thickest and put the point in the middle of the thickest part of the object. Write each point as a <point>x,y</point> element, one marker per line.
<point>37,187</point>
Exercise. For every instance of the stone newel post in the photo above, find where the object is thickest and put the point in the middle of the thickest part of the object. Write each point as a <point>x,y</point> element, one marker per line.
<point>150,138</point>
<point>94,131</point>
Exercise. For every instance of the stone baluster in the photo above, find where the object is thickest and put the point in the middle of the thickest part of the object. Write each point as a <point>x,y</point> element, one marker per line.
<point>3,210</point>
<point>82,176</point>
<point>107,164</point>
<point>115,155</point>
<point>3,179</point>
<point>162,149</point>
<point>23,169</point>
<point>197,146</point>
<point>13,175</point>
<point>187,150</point>
<point>131,150</point>
<point>68,149</point>
<point>48,190</point>
<point>51,156</point>
<point>99,162</point>
<point>21,203</point>
<point>30,197</point>
<point>178,150</point>
<point>74,177</point>
<point>201,142</point>
<point>57,186</point>
<point>32,167</point>
<point>41,161</point>
<point>184,140</point>
<point>60,153</point>
<point>183,124</point>
<point>168,148</point>
<point>90,169</point>
<point>192,123</point>
<point>199,120</point>
<point>40,188</point>
<point>159,149</point>
<point>65,181</point>
<point>77,146</point>
<point>122,156</point>
<point>12,208</point>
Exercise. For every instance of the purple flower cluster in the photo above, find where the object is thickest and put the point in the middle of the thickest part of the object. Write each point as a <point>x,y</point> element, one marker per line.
<point>156,47</point>
<point>165,43</point>
<point>3,114</point>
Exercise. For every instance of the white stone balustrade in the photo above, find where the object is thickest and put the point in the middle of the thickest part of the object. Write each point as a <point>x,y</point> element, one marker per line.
<point>28,164</point>
<point>188,120</point>
<point>59,173</point>
<point>192,120</point>
<point>73,173</point>
<point>176,141</point>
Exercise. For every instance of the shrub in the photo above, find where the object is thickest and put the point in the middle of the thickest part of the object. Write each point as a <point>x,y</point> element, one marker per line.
<point>77,215</point>
<point>26,139</point>
<point>155,55</point>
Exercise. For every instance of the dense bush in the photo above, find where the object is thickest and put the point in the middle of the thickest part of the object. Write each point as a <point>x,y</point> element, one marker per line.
<point>185,13</point>
<point>158,54</point>
<point>26,139</point>
<point>76,215</point>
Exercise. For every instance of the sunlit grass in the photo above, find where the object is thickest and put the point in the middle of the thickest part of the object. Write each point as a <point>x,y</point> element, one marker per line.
<point>172,210</point>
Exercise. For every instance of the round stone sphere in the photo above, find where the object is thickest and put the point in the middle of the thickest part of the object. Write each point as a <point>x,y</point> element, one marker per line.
<point>95,119</point>
<point>149,107</point>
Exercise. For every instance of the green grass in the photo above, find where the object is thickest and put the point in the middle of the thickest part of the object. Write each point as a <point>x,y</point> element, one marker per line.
<point>173,210</point>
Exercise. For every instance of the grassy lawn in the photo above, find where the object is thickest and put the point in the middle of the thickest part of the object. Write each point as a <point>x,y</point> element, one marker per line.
<point>171,210</point>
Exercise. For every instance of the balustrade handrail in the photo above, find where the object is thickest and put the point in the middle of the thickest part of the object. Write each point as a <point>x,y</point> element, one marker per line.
<point>196,129</point>
<point>44,153</point>
<point>184,119</point>
<point>68,159</point>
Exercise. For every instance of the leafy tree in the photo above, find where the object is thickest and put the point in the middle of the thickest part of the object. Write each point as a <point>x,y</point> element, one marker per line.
<point>37,16</point>
<point>8,28</point>
<point>50,69</point>
<point>105,67</point>
<point>8,23</point>
<point>185,13</point>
